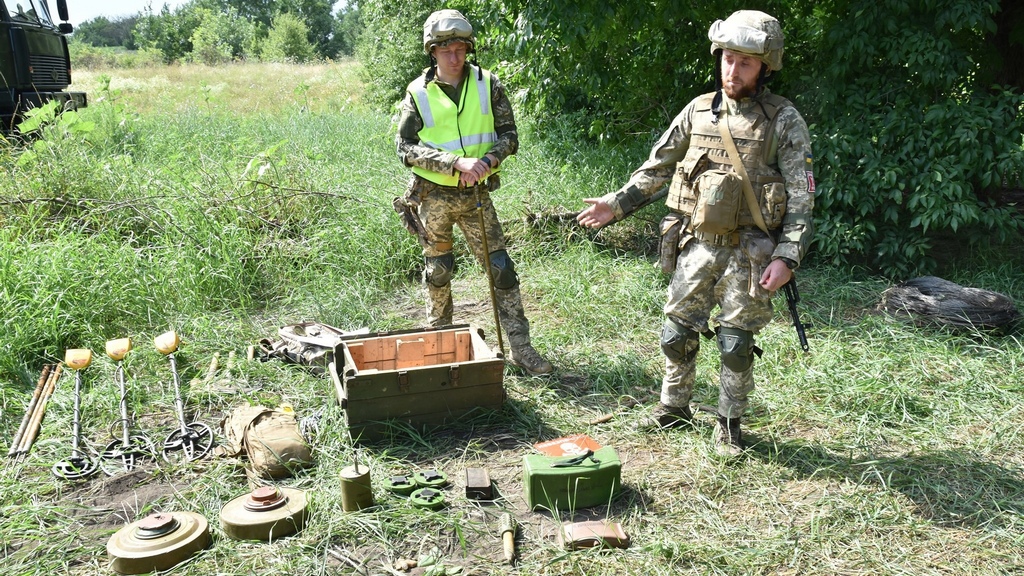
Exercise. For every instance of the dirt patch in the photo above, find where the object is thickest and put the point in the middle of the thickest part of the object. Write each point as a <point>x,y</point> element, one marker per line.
<point>111,502</point>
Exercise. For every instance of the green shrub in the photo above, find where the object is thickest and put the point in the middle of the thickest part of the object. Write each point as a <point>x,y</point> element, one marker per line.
<point>910,147</point>
<point>286,41</point>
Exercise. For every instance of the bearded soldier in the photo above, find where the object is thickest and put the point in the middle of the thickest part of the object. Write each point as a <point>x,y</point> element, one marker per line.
<point>741,200</point>
<point>455,130</point>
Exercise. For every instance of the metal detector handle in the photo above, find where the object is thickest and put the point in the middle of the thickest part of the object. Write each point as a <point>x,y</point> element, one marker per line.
<point>487,268</point>
<point>123,405</point>
<point>76,428</point>
<point>179,404</point>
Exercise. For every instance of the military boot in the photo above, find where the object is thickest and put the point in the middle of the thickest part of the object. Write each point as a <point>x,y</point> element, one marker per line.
<point>664,417</point>
<point>728,441</point>
<point>527,358</point>
<point>517,328</point>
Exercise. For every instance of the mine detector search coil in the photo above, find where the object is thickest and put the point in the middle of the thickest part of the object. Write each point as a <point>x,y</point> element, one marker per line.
<point>80,465</point>
<point>191,440</point>
<point>127,451</point>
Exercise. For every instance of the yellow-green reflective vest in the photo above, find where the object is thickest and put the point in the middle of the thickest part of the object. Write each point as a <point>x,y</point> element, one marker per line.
<point>464,128</point>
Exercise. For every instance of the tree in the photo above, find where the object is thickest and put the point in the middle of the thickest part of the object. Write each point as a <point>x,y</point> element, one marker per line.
<point>103,32</point>
<point>391,47</point>
<point>912,146</point>
<point>345,34</point>
<point>287,40</point>
<point>316,16</point>
<point>220,37</point>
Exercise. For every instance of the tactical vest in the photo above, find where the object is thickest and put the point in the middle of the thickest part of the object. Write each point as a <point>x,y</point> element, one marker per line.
<point>464,128</point>
<point>751,132</point>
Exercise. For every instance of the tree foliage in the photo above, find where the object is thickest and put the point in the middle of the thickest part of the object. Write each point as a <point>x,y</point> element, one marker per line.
<point>287,41</point>
<point>171,31</point>
<point>391,47</point>
<point>220,37</point>
<point>912,147</point>
<point>101,31</point>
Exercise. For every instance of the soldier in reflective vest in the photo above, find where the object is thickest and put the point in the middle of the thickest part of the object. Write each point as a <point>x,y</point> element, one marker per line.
<point>455,130</point>
<point>741,196</point>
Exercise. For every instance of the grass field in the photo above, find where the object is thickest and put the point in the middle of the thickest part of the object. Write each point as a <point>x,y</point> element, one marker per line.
<point>223,203</point>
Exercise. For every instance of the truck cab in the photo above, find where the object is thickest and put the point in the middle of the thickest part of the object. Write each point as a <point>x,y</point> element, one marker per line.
<point>35,67</point>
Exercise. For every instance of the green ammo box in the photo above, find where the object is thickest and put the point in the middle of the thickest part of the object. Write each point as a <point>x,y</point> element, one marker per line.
<point>572,482</point>
<point>424,378</point>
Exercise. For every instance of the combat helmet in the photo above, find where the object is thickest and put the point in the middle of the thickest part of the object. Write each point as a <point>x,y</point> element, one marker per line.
<point>444,26</point>
<point>750,32</point>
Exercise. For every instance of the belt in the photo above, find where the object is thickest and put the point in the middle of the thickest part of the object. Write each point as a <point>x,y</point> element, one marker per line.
<point>726,240</point>
<point>486,185</point>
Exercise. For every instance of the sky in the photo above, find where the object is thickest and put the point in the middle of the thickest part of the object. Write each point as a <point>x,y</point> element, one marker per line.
<point>83,10</point>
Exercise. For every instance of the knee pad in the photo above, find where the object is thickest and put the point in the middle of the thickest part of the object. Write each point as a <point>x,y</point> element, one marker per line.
<point>503,270</point>
<point>679,343</point>
<point>439,269</point>
<point>737,348</point>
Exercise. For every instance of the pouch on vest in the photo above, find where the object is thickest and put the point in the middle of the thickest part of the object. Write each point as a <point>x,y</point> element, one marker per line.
<point>719,197</point>
<point>668,249</point>
<point>773,204</point>
<point>572,482</point>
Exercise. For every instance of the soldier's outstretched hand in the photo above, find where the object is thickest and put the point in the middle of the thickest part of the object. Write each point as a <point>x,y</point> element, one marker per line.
<point>596,215</point>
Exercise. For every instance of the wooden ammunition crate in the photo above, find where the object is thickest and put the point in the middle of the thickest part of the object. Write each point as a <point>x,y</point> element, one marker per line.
<point>424,378</point>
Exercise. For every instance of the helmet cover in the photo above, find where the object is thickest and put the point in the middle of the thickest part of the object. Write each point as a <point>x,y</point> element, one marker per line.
<point>752,33</point>
<point>444,26</point>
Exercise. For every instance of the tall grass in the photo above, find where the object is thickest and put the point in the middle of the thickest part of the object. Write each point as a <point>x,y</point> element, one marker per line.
<point>225,202</point>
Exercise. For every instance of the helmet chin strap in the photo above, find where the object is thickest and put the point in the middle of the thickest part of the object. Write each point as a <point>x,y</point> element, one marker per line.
<point>432,71</point>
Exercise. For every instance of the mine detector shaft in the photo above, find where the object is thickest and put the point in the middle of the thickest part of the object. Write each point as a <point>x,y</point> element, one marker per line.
<point>35,67</point>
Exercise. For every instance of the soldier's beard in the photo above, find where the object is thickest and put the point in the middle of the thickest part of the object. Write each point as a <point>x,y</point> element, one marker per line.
<point>738,92</point>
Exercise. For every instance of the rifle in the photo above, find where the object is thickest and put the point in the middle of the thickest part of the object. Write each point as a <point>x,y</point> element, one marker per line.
<point>792,298</point>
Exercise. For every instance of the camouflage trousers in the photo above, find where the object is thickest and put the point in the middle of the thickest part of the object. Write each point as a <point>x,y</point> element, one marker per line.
<point>728,277</point>
<point>441,209</point>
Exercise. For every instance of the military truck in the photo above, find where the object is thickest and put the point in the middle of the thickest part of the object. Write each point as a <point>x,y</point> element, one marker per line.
<point>34,64</point>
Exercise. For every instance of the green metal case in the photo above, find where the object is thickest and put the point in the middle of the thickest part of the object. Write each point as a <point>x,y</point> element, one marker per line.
<point>572,482</point>
<point>424,378</point>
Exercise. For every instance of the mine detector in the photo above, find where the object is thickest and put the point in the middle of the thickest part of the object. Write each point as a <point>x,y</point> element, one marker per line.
<point>35,67</point>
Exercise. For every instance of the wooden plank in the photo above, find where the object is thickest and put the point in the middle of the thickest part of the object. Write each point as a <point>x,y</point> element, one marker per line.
<point>409,353</point>
<point>447,352</point>
<point>463,347</point>
<point>355,351</point>
<point>431,347</point>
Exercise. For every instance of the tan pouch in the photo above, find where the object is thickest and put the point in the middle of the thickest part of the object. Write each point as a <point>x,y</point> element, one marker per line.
<point>719,196</point>
<point>275,446</point>
<point>270,439</point>
<point>668,249</point>
<point>773,207</point>
<point>592,533</point>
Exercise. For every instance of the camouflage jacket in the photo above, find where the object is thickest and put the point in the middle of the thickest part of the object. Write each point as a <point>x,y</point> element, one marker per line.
<point>412,153</point>
<point>790,151</point>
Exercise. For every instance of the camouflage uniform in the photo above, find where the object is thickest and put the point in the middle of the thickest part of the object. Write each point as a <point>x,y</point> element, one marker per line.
<point>707,273</point>
<point>440,208</point>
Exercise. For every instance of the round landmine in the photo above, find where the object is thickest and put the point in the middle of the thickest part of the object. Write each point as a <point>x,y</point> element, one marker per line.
<point>401,485</point>
<point>265,513</point>
<point>427,498</point>
<point>158,542</point>
<point>430,478</point>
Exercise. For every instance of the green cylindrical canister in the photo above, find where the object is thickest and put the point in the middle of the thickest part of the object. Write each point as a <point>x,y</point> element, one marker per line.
<point>356,490</point>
